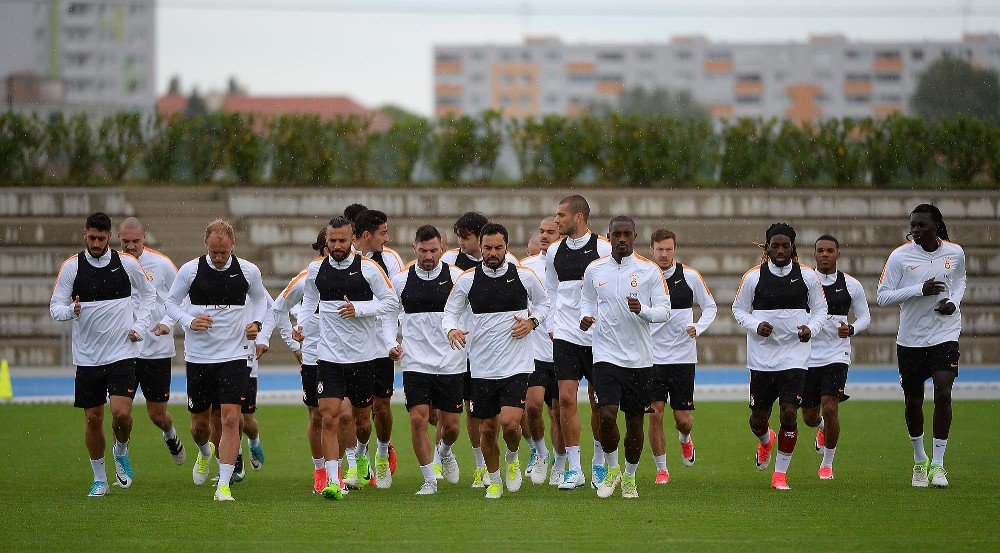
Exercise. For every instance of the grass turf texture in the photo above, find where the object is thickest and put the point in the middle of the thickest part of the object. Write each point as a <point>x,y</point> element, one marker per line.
<point>722,503</point>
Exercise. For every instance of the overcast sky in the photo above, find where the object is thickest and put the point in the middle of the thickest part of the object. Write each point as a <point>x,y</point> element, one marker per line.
<point>380,51</point>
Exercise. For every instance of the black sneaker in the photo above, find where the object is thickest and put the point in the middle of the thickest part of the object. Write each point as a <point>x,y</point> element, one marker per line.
<point>240,470</point>
<point>176,448</point>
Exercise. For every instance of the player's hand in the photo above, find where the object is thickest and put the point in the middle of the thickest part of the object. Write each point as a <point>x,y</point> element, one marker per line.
<point>347,310</point>
<point>251,331</point>
<point>804,333</point>
<point>261,350</point>
<point>297,334</point>
<point>298,355</point>
<point>202,322</point>
<point>633,304</point>
<point>945,307</point>
<point>932,287</point>
<point>521,328</point>
<point>396,353</point>
<point>160,329</point>
<point>456,338</point>
<point>692,331</point>
<point>765,329</point>
<point>133,337</point>
<point>586,323</point>
<point>76,306</point>
<point>844,330</point>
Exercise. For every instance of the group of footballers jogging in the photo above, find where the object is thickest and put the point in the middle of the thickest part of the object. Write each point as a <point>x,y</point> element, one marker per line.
<point>497,338</point>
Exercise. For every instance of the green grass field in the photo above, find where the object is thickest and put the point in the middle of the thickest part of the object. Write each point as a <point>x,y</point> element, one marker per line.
<point>720,504</point>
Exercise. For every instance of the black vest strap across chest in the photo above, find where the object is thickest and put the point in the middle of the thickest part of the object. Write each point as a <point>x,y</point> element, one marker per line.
<point>377,257</point>
<point>497,295</point>
<point>101,283</point>
<point>213,287</point>
<point>464,262</point>
<point>426,296</point>
<point>780,292</point>
<point>570,264</point>
<point>333,283</point>
<point>681,295</point>
<point>838,298</point>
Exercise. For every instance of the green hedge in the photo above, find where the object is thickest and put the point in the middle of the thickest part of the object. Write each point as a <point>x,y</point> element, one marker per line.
<point>606,150</point>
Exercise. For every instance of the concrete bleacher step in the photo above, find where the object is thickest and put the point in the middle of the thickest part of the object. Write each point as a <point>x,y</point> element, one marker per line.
<point>63,202</point>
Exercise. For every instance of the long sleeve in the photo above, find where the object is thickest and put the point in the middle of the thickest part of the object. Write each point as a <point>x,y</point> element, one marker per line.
<point>703,297</point>
<point>310,294</point>
<point>457,304</point>
<point>385,303</point>
<point>551,277</point>
<point>169,274</point>
<point>61,303</point>
<point>147,294</point>
<point>281,311</point>
<point>260,299</point>
<point>888,294</point>
<point>817,301</point>
<point>859,303</point>
<point>743,304</point>
<point>659,297</point>
<point>588,298</point>
<point>958,282</point>
<point>267,323</point>
<point>537,297</point>
<point>178,291</point>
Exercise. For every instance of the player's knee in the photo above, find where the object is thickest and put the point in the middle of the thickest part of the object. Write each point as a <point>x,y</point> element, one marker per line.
<point>95,419</point>
<point>788,418</point>
<point>567,399</point>
<point>811,417</point>
<point>418,419</point>
<point>830,410</point>
<point>449,429</point>
<point>942,398</point>
<point>609,416</point>
<point>121,414</point>
<point>533,410</point>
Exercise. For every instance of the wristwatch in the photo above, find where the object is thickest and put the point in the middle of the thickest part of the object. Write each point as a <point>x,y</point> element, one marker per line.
<point>534,320</point>
<point>851,333</point>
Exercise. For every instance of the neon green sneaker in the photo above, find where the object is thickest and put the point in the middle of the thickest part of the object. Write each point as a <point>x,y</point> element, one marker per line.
<point>200,471</point>
<point>383,478</point>
<point>629,491</point>
<point>351,479</point>
<point>939,477</point>
<point>920,471</point>
<point>514,475</point>
<point>478,478</point>
<point>363,472</point>
<point>438,471</point>
<point>610,482</point>
<point>333,492</point>
<point>494,491</point>
<point>222,493</point>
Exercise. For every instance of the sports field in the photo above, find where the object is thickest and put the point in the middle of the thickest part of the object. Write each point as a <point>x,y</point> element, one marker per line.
<point>720,504</point>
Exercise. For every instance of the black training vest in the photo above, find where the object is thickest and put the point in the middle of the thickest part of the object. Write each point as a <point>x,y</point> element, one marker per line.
<point>497,295</point>
<point>377,258</point>
<point>838,298</point>
<point>464,261</point>
<point>333,283</point>
<point>774,292</point>
<point>214,287</point>
<point>570,264</point>
<point>681,295</point>
<point>426,296</point>
<point>101,283</point>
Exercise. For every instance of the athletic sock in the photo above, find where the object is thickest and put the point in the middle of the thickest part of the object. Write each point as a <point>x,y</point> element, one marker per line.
<point>318,463</point>
<point>765,438</point>
<point>120,449</point>
<point>786,445</point>
<point>937,455</point>
<point>172,435</point>
<point>100,473</point>
<point>333,472</point>
<point>685,438</point>
<point>351,457</point>
<point>361,448</point>
<point>560,463</point>
<point>511,456</point>
<point>822,424</point>
<point>631,468</point>
<point>541,450</point>
<point>477,452</point>
<point>254,442</point>
<point>661,461</point>
<point>225,473</point>
<point>437,455</point>
<point>381,448</point>
<point>573,452</point>
<point>442,450</point>
<point>828,454</point>
<point>611,458</point>
<point>919,454</point>
<point>428,472</point>
<point>495,478</point>
<point>599,454</point>
<point>205,449</point>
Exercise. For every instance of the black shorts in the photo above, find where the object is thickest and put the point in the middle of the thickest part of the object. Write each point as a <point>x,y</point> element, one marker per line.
<point>916,365</point>
<point>673,383</point>
<point>351,380</point>
<point>572,361</point>
<point>95,383</point>
<point>384,373</point>
<point>308,373</point>
<point>545,376</point>
<point>828,380</point>
<point>489,395</point>
<point>249,404</point>
<point>440,391</point>
<point>217,383</point>
<point>154,379</point>
<point>768,386</point>
<point>467,382</point>
<point>627,388</point>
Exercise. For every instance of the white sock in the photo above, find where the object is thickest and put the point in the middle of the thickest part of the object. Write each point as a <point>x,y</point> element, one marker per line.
<point>170,435</point>
<point>685,438</point>
<point>560,463</point>
<point>937,455</point>
<point>599,455</point>
<point>382,448</point>
<point>437,455</point>
<point>661,461</point>
<point>428,472</point>
<point>573,452</point>
<point>205,449</point>
<point>611,458</point>
<point>766,438</point>
<point>529,440</point>
<point>828,457</point>
<point>333,472</point>
<point>100,473</point>
<point>477,452</point>
<point>822,425</point>
<point>225,473</point>
<point>511,456</point>
<point>351,458</point>
<point>361,448</point>
<point>630,469</point>
<point>318,463</point>
<point>120,448</point>
<point>495,478</point>
<point>782,461</point>
<point>919,455</point>
<point>442,450</point>
<point>253,442</point>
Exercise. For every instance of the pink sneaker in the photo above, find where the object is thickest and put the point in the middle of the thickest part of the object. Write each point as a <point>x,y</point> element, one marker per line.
<point>826,473</point>
<point>662,477</point>
<point>779,482</point>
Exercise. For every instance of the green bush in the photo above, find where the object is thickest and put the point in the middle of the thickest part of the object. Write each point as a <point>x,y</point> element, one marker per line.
<point>161,153</point>
<point>120,139</point>
<point>79,150</point>
<point>964,145</point>
<point>244,147</point>
<point>205,153</point>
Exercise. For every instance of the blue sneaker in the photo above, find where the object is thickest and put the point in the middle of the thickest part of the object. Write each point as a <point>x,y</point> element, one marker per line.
<point>98,489</point>
<point>573,479</point>
<point>531,462</point>
<point>123,470</point>
<point>239,469</point>
<point>597,474</point>
<point>256,456</point>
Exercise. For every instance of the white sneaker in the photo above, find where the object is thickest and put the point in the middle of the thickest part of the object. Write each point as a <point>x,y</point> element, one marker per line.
<point>429,488</point>
<point>920,474</point>
<point>610,482</point>
<point>449,468</point>
<point>199,472</point>
<point>556,476</point>
<point>538,470</point>
<point>494,491</point>
<point>99,489</point>
<point>939,478</point>
<point>573,479</point>
<point>514,478</point>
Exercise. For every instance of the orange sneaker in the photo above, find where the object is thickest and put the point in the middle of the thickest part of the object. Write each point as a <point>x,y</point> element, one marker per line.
<point>392,459</point>
<point>820,441</point>
<point>779,482</point>
<point>662,477</point>
<point>764,451</point>
<point>319,480</point>
<point>826,473</point>
<point>687,453</point>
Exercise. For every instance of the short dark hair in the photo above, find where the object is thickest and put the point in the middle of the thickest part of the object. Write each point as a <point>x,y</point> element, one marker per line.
<point>829,237</point>
<point>339,222</point>
<point>352,211</point>
<point>490,229</point>
<point>320,242</point>
<point>427,232</point>
<point>577,204</point>
<point>621,219</point>
<point>472,223</point>
<point>98,220</point>
<point>661,234</point>
<point>369,221</point>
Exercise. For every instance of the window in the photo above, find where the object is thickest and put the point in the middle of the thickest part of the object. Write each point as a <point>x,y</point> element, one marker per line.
<point>858,99</point>
<point>916,54</point>
<point>476,77</point>
<point>683,54</point>
<point>478,55</point>
<point>506,79</point>
<point>525,56</point>
<point>887,54</point>
<point>610,78</point>
<point>507,57</point>
<point>447,56</point>
<point>780,76</point>
<point>823,75</point>
<point>552,55</point>
<point>823,56</point>
<point>749,77</point>
<point>505,101</point>
<point>551,99</point>
<point>610,55</point>
<point>78,8</point>
<point>890,98</point>
<point>719,55</point>
<point>581,78</point>
<point>448,101</point>
<point>858,77</point>
<point>645,55</point>
<point>526,79</point>
<point>887,77</point>
<point>525,100</point>
<point>750,99</point>
<point>857,54</point>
